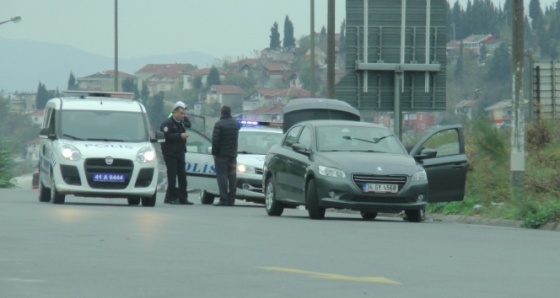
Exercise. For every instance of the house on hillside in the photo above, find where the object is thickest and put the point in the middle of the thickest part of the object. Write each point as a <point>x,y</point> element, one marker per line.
<point>467,108</point>
<point>227,95</point>
<point>271,113</point>
<point>162,77</point>
<point>37,116</point>
<point>22,102</point>
<point>103,81</point>
<point>188,78</point>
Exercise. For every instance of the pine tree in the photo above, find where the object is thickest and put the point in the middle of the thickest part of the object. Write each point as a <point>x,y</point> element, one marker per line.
<point>289,40</point>
<point>42,96</point>
<point>274,37</point>
<point>155,110</point>
<point>145,93</point>
<point>213,77</point>
<point>342,37</point>
<point>72,82</point>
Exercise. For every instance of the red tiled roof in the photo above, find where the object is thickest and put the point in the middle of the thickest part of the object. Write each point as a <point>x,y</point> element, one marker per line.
<point>121,74</point>
<point>164,68</point>
<point>274,109</point>
<point>276,67</point>
<point>227,89</point>
<point>203,71</point>
<point>38,113</point>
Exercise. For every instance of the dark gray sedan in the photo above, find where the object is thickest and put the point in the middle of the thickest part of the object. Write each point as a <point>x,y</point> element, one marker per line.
<point>362,166</point>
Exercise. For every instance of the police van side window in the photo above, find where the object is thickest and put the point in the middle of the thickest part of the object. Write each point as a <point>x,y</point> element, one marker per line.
<point>52,122</point>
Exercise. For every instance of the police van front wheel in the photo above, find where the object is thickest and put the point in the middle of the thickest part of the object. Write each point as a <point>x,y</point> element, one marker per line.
<point>44,193</point>
<point>56,197</point>
<point>133,201</point>
<point>149,201</point>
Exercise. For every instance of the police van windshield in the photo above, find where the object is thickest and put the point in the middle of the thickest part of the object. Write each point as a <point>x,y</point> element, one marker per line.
<point>103,126</point>
<point>253,142</point>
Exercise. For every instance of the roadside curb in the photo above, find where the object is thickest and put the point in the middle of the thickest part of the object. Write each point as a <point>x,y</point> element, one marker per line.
<point>490,221</point>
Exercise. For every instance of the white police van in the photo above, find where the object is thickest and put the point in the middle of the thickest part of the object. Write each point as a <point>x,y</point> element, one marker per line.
<point>255,138</point>
<point>97,144</point>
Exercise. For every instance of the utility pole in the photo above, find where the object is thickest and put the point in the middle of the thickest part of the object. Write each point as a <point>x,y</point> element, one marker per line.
<point>518,126</point>
<point>116,48</point>
<point>330,50</point>
<point>312,48</point>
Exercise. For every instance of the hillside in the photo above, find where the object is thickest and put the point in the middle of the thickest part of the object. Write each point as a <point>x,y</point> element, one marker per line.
<point>26,63</point>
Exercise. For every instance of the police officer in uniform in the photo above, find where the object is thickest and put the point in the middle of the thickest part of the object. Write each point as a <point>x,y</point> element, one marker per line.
<point>174,149</point>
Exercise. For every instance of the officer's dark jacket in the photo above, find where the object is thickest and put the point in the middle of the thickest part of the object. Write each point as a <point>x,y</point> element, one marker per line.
<point>174,144</point>
<point>224,137</point>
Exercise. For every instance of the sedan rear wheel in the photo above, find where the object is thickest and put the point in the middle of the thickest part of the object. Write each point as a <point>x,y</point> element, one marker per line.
<point>312,197</point>
<point>272,206</point>
<point>368,215</point>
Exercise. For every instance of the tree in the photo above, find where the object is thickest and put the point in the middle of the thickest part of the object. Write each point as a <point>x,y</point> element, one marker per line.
<point>197,82</point>
<point>129,85</point>
<point>145,93</point>
<point>274,37</point>
<point>155,110</point>
<point>289,40</point>
<point>342,38</point>
<point>213,77</point>
<point>72,82</point>
<point>42,96</point>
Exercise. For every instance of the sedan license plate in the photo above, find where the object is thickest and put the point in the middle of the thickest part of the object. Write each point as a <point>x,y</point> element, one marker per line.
<point>382,188</point>
<point>108,177</point>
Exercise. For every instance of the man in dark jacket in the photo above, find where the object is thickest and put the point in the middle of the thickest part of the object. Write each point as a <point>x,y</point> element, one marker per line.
<point>224,150</point>
<point>173,150</point>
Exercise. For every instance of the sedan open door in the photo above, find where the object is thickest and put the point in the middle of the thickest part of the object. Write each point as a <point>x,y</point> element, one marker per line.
<point>442,154</point>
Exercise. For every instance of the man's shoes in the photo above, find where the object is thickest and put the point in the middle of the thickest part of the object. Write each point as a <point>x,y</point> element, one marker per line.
<point>231,202</point>
<point>221,203</point>
<point>186,202</point>
<point>170,201</point>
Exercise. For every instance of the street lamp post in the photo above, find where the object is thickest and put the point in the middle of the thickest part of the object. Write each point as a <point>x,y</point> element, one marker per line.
<point>14,19</point>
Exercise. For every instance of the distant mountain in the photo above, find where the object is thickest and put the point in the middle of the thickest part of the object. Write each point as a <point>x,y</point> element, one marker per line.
<point>23,64</point>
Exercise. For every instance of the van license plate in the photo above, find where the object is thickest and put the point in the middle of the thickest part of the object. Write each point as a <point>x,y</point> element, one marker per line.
<point>108,177</point>
<point>381,188</point>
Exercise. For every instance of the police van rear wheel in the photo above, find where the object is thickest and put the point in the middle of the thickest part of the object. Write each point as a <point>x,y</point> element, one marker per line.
<point>149,201</point>
<point>206,198</point>
<point>133,201</point>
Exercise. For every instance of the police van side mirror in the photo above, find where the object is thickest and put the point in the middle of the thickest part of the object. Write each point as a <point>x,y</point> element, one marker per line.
<point>159,137</point>
<point>44,134</point>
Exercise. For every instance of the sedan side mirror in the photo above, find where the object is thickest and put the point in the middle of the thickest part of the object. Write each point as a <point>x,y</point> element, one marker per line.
<point>299,148</point>
<point>44,134</point>
<point>427,153</point>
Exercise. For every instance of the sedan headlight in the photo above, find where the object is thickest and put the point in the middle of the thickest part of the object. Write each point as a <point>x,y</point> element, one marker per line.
<point>420,175</point>
<point>331,172</point>
<point>146,154</point>
<point>70,152</point>
<point>245,169</point>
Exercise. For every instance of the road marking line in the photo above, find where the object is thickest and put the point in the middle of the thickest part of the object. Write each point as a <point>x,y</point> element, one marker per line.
<point>334,276</point>
<point>24,280</point>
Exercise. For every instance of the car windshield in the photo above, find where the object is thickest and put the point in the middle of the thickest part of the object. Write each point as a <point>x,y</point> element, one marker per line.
<point>257,142</point>
<point>113,126</point>
<point>358,138</point>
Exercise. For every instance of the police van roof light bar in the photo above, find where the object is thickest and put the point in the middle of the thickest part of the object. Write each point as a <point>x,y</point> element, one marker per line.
<point>84,93</point>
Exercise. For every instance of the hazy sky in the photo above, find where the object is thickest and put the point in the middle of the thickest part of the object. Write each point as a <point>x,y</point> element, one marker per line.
<point>221,28</point>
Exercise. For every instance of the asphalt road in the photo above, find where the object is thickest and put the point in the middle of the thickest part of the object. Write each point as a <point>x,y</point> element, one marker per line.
<point>92,247</point>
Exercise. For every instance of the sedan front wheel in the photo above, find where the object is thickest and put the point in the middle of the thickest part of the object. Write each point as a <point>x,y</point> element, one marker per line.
<point>272,206</point>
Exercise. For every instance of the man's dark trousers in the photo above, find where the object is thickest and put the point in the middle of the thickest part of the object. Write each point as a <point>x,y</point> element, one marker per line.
<point>226,168</point>
<point>176,171</point>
